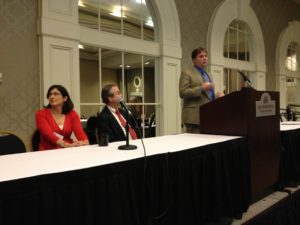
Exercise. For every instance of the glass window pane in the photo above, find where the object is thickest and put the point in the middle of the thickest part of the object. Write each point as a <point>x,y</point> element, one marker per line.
<point>132,76</point>
<point>232,43</point>
<point>132,18</point>
<point>111,13</point>
<point>111,67</point>
<point>291,88</point>
<point>150,121</point>
<point>88,13</point>
<point>127,17</point>
<point>128,71</point>
<point>149,81</point>
<point>237,41</point>
<point>89,79</point>
<point>88,111</point>
<point>226,45</point>
<point>291,58</point>
<point>148,23</point>
<point>226,83</point>
<point>242,54</point>
<point>234,25</point>
<point>232,80</point>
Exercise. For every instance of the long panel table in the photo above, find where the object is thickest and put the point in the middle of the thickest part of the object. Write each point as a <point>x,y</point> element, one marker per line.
<point>185,179</point>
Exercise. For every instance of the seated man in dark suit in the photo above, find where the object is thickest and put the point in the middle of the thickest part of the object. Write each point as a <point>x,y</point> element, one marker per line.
<point>112,119</point>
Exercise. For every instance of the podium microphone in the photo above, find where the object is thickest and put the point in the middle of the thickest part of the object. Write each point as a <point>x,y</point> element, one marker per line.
<point>127,146</point>
<point>246,79</point>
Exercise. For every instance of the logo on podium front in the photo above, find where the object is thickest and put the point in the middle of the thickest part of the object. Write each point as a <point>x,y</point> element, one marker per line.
<point>266,106</point>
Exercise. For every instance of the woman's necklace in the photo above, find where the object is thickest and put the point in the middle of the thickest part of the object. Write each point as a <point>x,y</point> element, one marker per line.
<point>58,117</point>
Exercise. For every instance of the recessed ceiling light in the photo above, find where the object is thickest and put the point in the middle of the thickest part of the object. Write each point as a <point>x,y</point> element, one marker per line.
<point>140,1</point>
<point>80,3</point>
<point>149,22</point>
<point>117,11</point>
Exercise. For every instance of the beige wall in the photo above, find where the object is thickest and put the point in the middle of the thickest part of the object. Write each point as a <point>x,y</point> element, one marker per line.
<point>19,91</point>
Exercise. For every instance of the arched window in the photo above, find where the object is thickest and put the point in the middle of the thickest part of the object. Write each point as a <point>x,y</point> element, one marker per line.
<point>287,67</point>
<point>291,64</point>
<point>237,47</point>
<point>236,42</point>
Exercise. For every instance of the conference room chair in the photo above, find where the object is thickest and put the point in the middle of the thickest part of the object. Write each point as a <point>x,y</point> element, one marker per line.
<point>10,143</point>
<point>90,129</point>
<point>151,128</point>
<point>35,140</point>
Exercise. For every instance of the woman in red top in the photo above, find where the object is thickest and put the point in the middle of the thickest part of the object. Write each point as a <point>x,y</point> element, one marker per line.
<point>58,120</point>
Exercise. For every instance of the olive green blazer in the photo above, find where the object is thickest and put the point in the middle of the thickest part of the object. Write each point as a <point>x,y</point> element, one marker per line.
<point>193,96</point>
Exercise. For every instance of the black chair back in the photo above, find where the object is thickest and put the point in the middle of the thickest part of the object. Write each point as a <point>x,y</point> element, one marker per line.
<point>90,130</point>
<point>151,129</point>
<point>10,143</point>
<point>35,140</point>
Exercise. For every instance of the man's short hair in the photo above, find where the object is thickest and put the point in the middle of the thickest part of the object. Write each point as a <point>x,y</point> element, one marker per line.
<point>197,51</point>
<point>106,92</point>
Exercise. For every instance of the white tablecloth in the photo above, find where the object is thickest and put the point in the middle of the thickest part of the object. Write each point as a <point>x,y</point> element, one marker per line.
<point>16,166</point>
<point>289,125</point>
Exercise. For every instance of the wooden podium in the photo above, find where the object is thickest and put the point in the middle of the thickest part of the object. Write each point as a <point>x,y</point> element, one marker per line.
<point>245,113</point>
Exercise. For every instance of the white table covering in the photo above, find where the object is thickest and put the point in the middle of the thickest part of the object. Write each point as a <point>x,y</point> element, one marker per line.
<point>30,164</point>
<point>289,125</point>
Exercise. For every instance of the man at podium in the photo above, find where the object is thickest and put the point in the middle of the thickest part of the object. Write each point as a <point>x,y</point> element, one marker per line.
<point>196,88</point>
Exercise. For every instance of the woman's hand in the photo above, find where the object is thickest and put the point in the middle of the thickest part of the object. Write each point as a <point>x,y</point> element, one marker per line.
<point>64,144</point>
<point>81,143</point>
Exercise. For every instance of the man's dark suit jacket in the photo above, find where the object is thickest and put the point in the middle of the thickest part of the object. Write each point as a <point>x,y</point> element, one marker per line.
<point>107,123</point>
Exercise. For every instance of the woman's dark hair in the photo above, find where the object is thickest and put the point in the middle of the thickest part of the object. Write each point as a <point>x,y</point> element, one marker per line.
<point>197,51</point>
<point>106,92</point>
<point>68,105</point>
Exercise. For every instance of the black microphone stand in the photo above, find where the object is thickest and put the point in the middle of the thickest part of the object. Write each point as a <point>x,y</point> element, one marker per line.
<point>127,146</point>
<point>246,80</point>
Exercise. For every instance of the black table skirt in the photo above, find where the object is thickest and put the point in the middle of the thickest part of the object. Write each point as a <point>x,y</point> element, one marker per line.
<point>187,187</point>
<point>290,158</point>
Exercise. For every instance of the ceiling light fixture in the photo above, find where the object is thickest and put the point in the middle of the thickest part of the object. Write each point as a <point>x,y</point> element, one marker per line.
<point>117,11</point>
<point>81,4</point>
<point>149,22</point>
<point>140,1</point>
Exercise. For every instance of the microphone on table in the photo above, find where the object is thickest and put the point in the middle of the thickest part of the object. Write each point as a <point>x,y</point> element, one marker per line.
<point>128,113</point>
